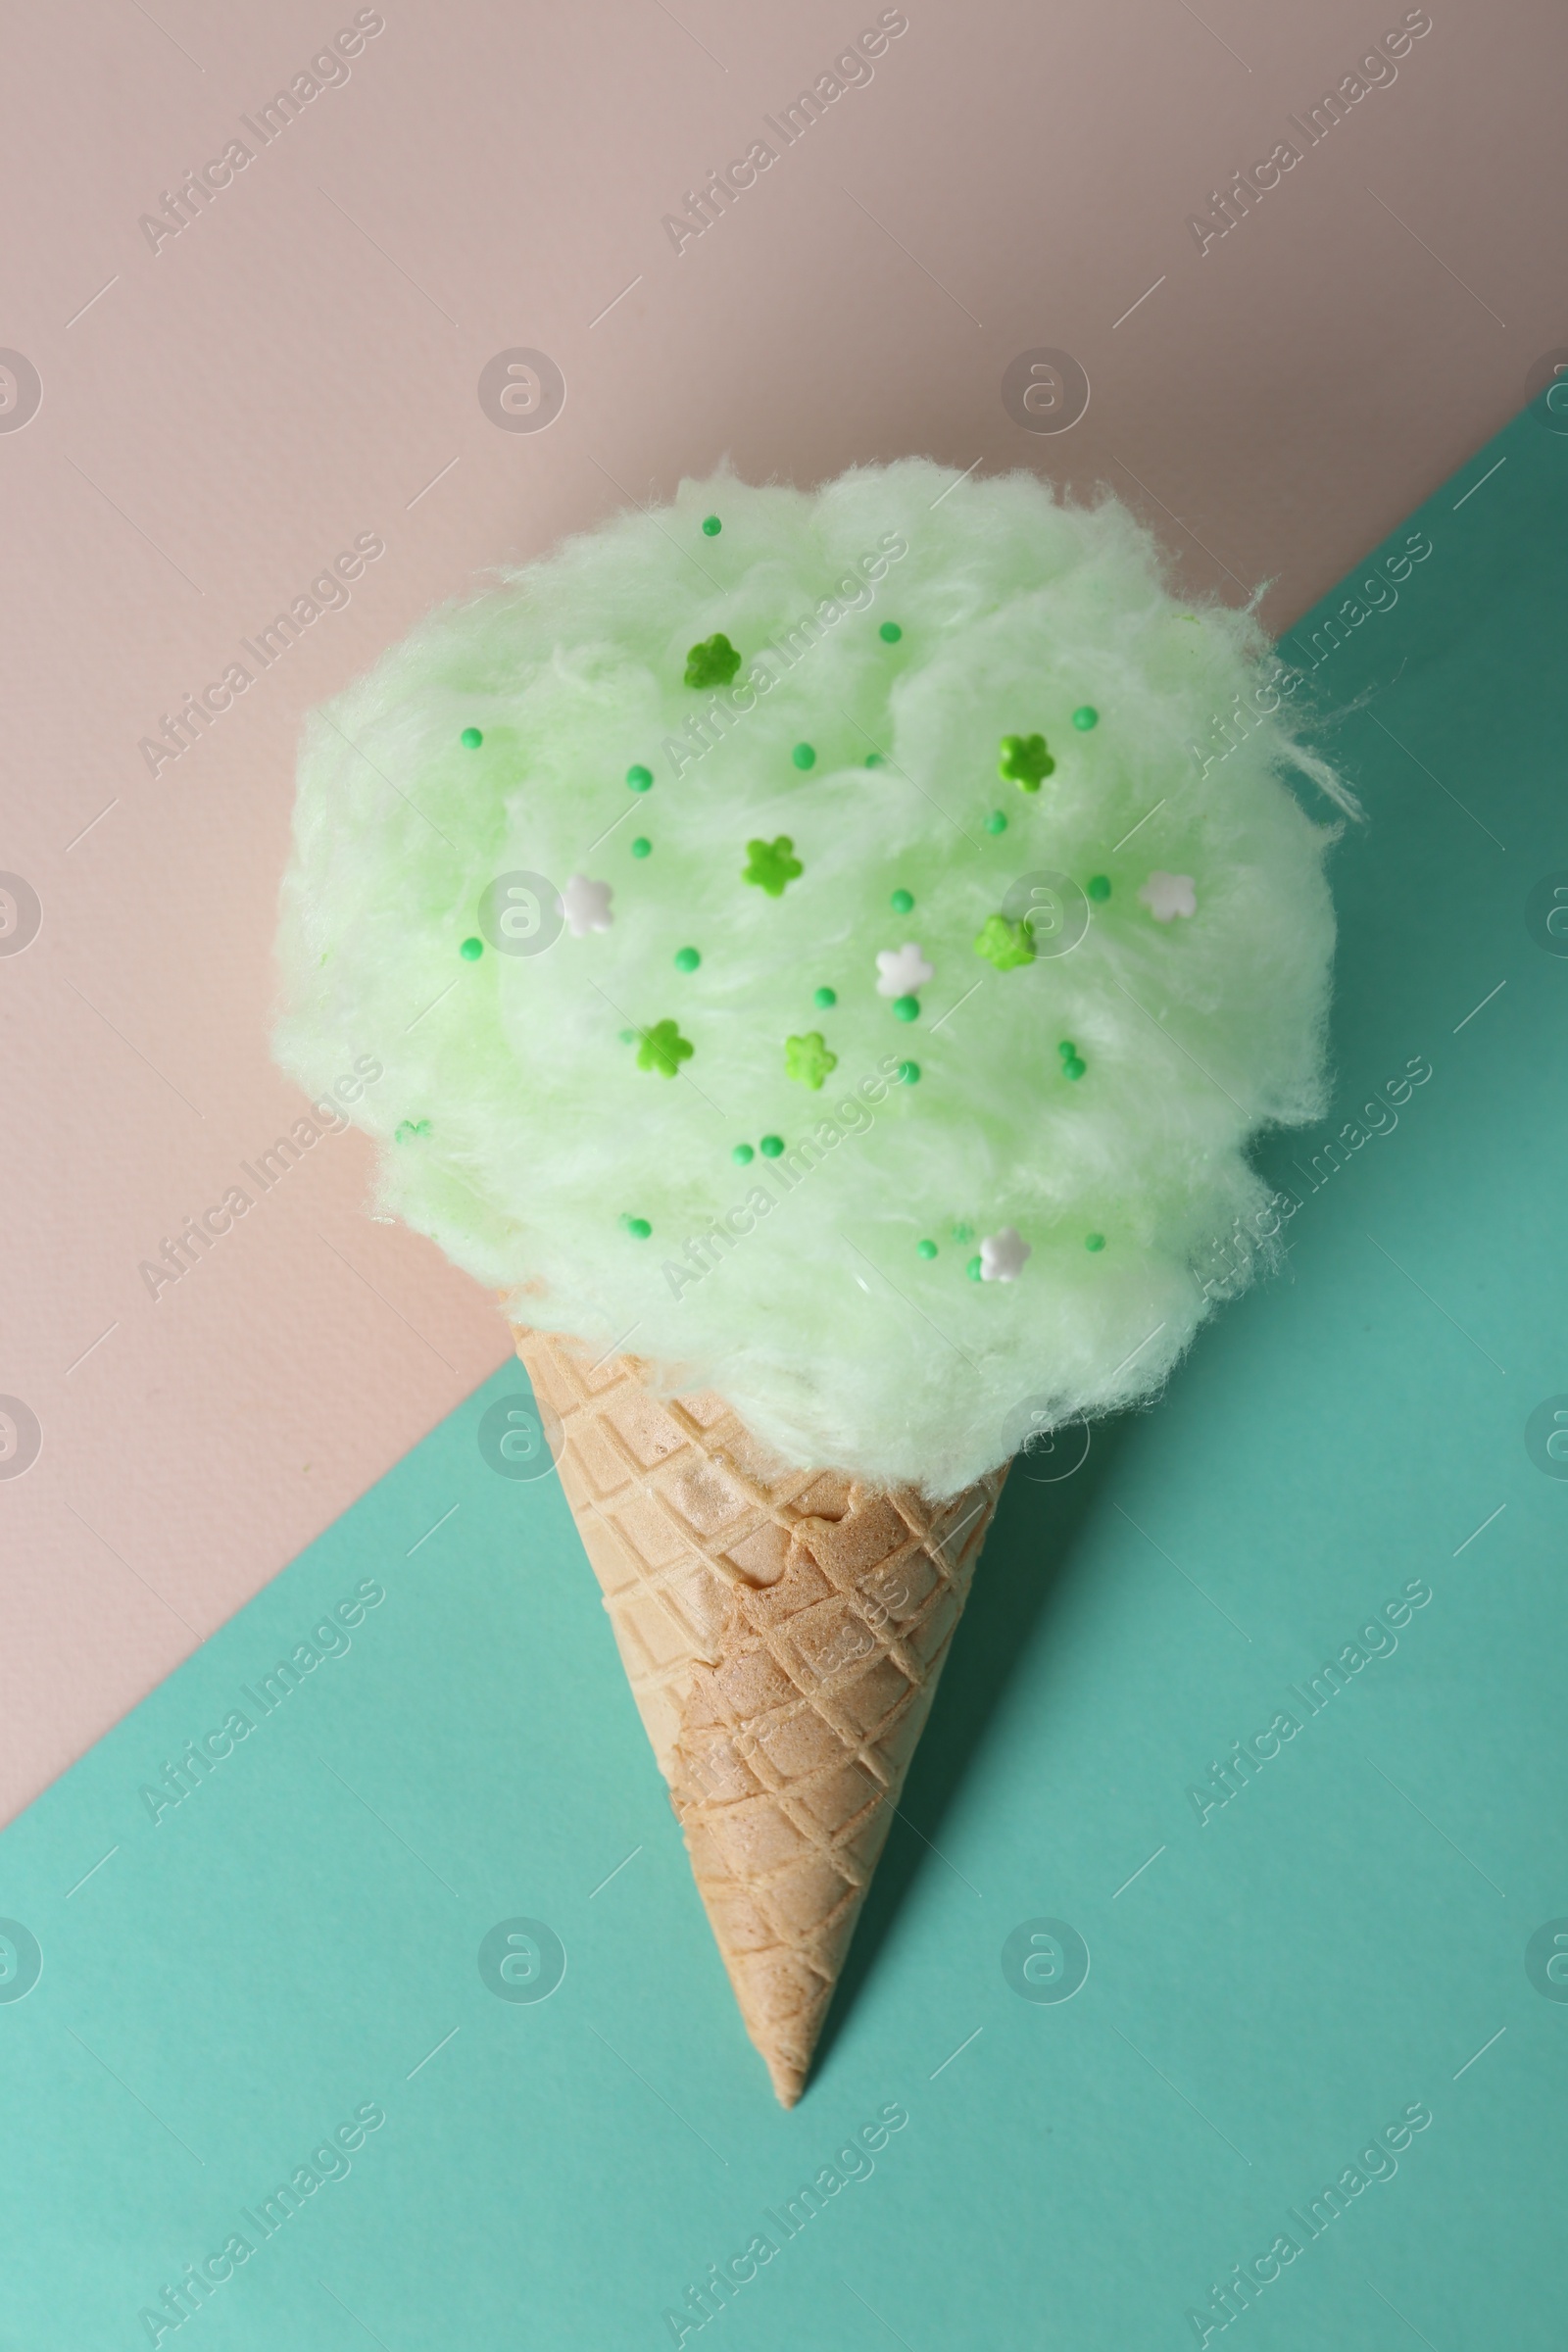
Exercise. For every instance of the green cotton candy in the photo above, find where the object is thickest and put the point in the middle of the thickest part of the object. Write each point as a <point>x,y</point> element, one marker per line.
<point>574,1082</point>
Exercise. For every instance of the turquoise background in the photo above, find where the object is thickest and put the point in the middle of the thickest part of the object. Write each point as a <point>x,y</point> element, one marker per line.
<point>297,1937</point>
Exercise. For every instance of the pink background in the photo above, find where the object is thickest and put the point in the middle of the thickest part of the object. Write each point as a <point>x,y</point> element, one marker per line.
<point>299,365</point>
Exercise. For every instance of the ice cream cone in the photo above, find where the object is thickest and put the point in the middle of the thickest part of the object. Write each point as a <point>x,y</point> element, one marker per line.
<point>783,1632</point>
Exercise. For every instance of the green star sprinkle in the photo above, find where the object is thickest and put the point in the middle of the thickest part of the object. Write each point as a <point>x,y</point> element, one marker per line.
<point>902,902</point>
<point>807,1058</point>
<point>1099,888</point>
<point>803,755</point>
<point>1085,717</point>
<point>996,822</point>
<point>408,1127</point>
<point>1008,946</point>
<point>687,960</point>
<point>638,1226</point>
<point>906,1009</point>
<point>1025,760</point>
<point>642,847</point>
<point>826,998</point>
<point>926,1248</point>
<point>771,865</point>
<point>908,1074</point>
<point>771,1146</point>
<point>890,632</point>
<point>472,950</point>
<point>1094,1240</point>
<point>714,662</point>
<point>712,527</point>
<point>972,1269</point>
<point>640,778</point>
<point>664,1048</point>
<point>470,739</point>
<point>744,1154</point>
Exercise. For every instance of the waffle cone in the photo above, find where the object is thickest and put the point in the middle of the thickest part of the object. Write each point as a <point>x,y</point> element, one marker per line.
<point>783,1632</point>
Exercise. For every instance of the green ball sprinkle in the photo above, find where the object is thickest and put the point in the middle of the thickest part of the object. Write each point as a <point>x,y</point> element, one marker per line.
<point>964,1233</point>
<point>470,739</point>
<point>1094,1240</point>
<point>907,1009</point>
<point>1074,1069</point>
<point>874,760</point>
<point>687,960</point>
<point>1067,1049</point>
<point>902,901</point>
<point>771,1146</point>
<point>996,822</point>
<point>640,778</point>
<point>1099,888</point>
<point>973,1269</point>
<point>804,756</point>
<point>926,1248</point>
<point>744,1154</point>
<point>472,950</point>
<point>1085,717</point>
<point>638,1226</point>
<point>712,527</point>
<point>908,1074</point>
<point>642,847</point>
<point>890,632</point>
<point>826,997</point>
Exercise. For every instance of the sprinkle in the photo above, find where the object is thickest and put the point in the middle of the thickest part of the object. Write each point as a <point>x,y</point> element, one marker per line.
<point>640,778</point>
<point>1003,1254</point>
<point>470,739</point>
<point>901,970</point>
<point>712,527</point>
<point>770,865</point>
<point>1075,1068</point>
<point>664,1048</point>
<point>714,662</point>
<point>771,1146</point>
<point>472,950</point>
<point>804,756</point>
<point>964,1233</point>
<point>744,1154</point>
<point>908,1074</point>
<point>902,902</point>
<point>1085,717</point>
<point>809,1059</point>
<point>407,1127</point>
<point>1168,894</point>
<point>826,998</point>
<point>926,1248</point>
<point>1067,1049</point>
<point>1025,760</point>
<point>642,847</point>
<point>996,822</point>
<point>628,1036</point>
<point>1008,946</point>
<point>974,1269</point>
<point>890,632</point>
<point>874,760</point>
<point>687,960</point>
<point>1094,1240</point>
<point>907,1009</point>
<point>638,1226</point>
<point>1099,888</point>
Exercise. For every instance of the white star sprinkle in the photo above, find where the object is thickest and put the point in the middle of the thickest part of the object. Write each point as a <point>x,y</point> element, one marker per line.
<point>586,906</point>
<point>903,970</point>
<point>1168,894</point>
<point>1001,1255</point>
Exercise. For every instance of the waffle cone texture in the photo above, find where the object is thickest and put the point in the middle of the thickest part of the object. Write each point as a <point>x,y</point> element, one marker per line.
<point>783,1632</point>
